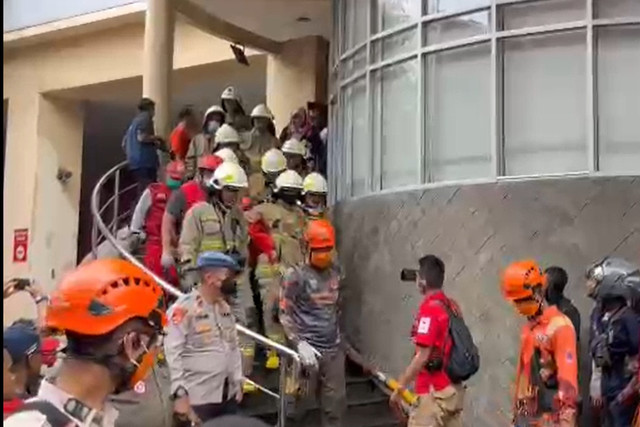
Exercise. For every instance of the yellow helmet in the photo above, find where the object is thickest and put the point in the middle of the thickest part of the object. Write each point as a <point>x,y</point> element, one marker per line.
<point>229,174</point>
<point>294,146</point>
<point>289,179</point>
<point>273,161</point>
<point>227,155</point>
<point>261,110</point>
<point>226,135</point>
<point>314,183</point>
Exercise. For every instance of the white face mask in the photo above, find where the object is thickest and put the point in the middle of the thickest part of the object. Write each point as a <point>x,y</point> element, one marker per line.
<point>212,127</point>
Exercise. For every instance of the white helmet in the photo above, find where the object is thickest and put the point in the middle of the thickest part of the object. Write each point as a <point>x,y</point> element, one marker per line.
<point>314,183</point>
<point>227,155</point>
<point>229,174</point>
<point>261,110</point>
<point>289,179</point>
<point>273,161</point>
<point>293,146</point>
<point>227,134</point>
<point>214,109</point>
<point>230,93</point>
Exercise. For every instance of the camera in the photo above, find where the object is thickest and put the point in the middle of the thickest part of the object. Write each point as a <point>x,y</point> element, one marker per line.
<point>408,275</point>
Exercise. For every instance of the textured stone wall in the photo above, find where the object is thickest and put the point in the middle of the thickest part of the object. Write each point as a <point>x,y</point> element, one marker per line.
<point>477,230</point>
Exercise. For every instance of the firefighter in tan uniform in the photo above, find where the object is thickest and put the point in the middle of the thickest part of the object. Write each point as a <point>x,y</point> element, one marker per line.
<point>261,185</point>
<point>285,220</point>
<point>232,106</point>
<point>260,139</point>
<point>219,225</point>
<point>228,137</point>
<point>315,196</point>
<point>296,151</point>
<point>202,143</point>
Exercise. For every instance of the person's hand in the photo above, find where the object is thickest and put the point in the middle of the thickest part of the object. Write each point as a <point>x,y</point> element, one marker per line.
<point>597,402</point>
<point>167,260</point>
<point>9,288</point>
<point>183,408</point>
<point>307,355</point>
<point>239,394</point>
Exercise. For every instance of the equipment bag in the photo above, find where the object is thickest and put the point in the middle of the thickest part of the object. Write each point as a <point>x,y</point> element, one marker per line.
<point>464,359</point>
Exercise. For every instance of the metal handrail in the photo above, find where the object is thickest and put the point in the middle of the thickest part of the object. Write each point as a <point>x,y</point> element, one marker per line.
<point>99,224</point>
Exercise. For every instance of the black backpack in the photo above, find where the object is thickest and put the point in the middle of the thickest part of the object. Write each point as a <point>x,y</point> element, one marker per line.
<point>464,359</point>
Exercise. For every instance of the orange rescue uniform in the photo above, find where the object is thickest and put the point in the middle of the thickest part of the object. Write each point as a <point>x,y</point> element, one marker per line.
<point>547,367</point>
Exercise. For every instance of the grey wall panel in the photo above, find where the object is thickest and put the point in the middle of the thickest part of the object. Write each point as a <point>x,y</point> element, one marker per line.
<point>477,230</point>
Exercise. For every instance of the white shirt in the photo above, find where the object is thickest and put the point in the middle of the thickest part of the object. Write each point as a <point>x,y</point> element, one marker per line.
<point>52,394</point>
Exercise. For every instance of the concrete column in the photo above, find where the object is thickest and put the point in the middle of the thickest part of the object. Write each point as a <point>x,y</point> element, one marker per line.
<point>43,135</point>
<point>158,60</point>
<point>296,76</point>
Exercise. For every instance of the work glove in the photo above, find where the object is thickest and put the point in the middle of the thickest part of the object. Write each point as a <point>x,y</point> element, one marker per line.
<point>308,355</point>
<point>167,260</point>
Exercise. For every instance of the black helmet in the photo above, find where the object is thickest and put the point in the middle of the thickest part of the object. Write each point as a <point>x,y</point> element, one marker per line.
<point>616,277</point>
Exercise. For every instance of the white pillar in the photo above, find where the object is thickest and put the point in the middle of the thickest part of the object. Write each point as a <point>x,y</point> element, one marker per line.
<point>158,60</point>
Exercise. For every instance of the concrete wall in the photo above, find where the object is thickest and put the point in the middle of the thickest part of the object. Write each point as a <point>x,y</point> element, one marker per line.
<point>477,230</point>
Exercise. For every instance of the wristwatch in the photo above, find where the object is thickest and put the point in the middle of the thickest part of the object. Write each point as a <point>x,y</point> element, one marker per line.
<point>179,393</point>
<point>41,298</point>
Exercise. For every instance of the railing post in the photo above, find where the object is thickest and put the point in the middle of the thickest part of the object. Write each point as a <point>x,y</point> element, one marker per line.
<point>94,239</point>
<point>116,191</point>
<point>282,402</point>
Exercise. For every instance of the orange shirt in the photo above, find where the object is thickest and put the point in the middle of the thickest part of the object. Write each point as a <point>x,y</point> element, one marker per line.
<point>553,335</point>
<point>180,139</point>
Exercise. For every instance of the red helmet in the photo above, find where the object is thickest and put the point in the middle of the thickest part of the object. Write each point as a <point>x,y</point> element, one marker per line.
<point>176,170</point>
<point>209,162</point>
<point>320,234</point>
<point>98,297</point>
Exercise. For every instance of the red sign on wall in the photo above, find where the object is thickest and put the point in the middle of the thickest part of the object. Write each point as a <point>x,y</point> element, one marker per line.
<point>20,244</point>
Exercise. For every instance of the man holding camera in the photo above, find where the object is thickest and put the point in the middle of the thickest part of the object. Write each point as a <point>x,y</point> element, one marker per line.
<point>440,399</point>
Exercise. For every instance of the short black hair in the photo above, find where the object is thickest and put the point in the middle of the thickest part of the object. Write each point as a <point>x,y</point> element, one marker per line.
<point>432,271</point>
<point>557,278</point>
<point>185,112</point>
<point>146,104</point>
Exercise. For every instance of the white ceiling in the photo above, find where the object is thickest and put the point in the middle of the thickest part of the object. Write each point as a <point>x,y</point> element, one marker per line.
<point>275,19</point>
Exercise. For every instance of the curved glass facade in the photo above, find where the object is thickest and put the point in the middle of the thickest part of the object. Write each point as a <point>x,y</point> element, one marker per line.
<point>425,91</point>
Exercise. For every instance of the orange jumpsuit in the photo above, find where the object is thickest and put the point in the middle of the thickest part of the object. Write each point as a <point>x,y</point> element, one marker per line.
<point>547,377</point>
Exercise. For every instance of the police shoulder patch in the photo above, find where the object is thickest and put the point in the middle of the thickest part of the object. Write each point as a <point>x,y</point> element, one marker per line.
<point>424,324</point>
<point>178,314</point>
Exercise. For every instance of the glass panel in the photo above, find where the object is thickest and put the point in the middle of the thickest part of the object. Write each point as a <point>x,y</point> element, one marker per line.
<point>618,74</point>
<point>616,8</point>
<point>354,23</point>
<point>544,100</point>
<point>360,144</point>
<point>459,113</point>
<point>395,45</point>
<point>391,13</point>
<point>542,13</point>
<point>356,62</point>
<point>456,28</point>
<point>447,6</point>
<point>396,88</point>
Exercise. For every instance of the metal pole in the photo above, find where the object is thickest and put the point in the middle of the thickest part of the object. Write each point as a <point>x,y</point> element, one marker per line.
<point>282,403</point>
<point>94,239</point>
<point>116,194</point>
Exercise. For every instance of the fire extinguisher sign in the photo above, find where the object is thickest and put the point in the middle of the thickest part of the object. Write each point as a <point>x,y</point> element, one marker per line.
<point>20,244</point>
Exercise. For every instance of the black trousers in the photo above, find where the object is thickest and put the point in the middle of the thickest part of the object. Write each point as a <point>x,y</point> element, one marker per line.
<point>210,411</point>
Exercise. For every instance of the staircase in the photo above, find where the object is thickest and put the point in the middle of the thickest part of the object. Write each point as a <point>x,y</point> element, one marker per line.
<point>367,403</point>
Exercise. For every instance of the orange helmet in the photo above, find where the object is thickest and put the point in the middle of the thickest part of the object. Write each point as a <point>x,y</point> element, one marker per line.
<point>320,234</point>
<point>175,170</point>
<point>521,278</point>
<point>209,162</point>
<point>100,296</point>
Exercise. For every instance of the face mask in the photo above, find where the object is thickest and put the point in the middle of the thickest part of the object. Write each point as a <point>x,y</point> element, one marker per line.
<point>321,259</point>
<point>173,184</point>
<point>228,287</point>
<point>212,127</point>
<point>314,210</point>
<point>528,308</point>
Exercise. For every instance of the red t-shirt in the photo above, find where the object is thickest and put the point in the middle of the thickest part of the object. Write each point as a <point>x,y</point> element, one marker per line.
<point>180,140</point>
<point>431,329</point>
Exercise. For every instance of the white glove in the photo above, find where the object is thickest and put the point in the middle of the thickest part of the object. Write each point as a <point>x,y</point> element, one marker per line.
<point>167,260</point>
<point>307,355</point>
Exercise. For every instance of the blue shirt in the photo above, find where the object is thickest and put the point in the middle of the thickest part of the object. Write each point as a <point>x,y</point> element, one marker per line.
<point>141,154</point>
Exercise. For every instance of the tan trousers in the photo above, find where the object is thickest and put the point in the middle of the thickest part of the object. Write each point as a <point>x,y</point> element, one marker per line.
<point>439,408</point>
